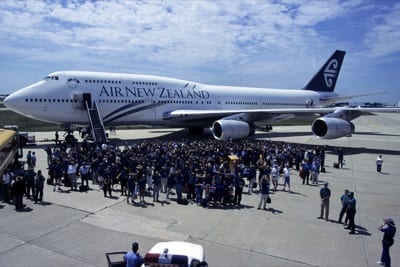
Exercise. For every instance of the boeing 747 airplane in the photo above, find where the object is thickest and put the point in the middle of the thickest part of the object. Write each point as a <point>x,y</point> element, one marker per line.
<point>89,98</point>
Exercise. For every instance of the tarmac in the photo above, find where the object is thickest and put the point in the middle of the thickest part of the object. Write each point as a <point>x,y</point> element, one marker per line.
<point>76,229</point>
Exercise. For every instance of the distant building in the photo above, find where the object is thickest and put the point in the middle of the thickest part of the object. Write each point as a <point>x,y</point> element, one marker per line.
<point>373,105</point>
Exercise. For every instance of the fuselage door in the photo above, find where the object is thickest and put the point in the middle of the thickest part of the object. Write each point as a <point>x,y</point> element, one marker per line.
<point>80,99</point>
<point>87,98</point>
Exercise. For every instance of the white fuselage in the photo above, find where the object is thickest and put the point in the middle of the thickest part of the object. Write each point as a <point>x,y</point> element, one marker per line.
<point>124,99</point>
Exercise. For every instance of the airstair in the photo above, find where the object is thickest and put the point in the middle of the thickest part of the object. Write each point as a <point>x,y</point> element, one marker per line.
<point>96,123</point>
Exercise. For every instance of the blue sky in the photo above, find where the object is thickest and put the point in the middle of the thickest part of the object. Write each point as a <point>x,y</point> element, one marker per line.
<point>275,44</point>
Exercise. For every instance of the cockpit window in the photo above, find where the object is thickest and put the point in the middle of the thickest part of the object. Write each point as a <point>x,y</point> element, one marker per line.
<point>51,78</point>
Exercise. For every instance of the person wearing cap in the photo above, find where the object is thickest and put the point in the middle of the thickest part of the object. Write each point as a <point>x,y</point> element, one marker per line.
<point>325,194</point>
<point>133,259</point>
<point>389,230</point>
<point>351,213</point>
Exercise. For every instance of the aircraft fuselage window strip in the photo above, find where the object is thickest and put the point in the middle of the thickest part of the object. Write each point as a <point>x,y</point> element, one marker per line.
<point>162,102</point>
<point>50,100</point>
<point>120,82</point>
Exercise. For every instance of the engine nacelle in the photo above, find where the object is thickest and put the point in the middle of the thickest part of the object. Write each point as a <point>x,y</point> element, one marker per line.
<point>231,129</point>
<point>331,128</point>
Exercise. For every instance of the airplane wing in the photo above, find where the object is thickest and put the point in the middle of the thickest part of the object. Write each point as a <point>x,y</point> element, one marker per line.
<point>337,99</point>
<point>271,115</point>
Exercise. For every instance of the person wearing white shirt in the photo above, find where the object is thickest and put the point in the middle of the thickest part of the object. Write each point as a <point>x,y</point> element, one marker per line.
<point>71,172</point>
<point>379,163</point>
<point>286,176</point>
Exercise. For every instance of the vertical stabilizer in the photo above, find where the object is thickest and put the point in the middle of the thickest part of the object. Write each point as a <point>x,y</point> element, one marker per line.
<point>325,79</point>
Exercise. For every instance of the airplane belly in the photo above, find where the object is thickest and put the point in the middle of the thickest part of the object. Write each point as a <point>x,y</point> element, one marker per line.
<point>64,114</point>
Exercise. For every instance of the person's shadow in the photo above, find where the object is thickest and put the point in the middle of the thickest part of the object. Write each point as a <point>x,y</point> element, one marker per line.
<point>273,211</point>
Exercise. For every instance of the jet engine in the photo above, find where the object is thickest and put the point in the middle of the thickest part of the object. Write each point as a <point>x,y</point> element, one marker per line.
<point>331,128</point>
<point>226,129</point>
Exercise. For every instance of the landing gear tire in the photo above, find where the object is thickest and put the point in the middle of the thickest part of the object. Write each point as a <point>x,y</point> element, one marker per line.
<point>268,128</point>
<point>70,139</point>
<point>196,130</point>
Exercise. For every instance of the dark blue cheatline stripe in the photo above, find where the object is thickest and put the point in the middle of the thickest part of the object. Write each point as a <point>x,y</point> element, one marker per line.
<point>120,109</point>
<point>131,112</point>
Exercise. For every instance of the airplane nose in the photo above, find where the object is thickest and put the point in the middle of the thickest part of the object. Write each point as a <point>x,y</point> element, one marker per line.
<point>10,101</point>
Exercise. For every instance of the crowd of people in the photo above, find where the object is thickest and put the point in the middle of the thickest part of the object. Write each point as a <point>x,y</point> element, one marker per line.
<point>200,171</point>
<point>205,172</point>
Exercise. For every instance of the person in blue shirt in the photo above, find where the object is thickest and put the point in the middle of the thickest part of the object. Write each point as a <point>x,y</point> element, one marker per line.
<point>344,199</point>
<point>325,194</point>
<point>389,230</point>
<point>351,212</point>
<point>133,259</point>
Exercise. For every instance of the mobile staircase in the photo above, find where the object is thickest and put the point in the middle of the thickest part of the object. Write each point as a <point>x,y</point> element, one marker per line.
<point>96,123</point>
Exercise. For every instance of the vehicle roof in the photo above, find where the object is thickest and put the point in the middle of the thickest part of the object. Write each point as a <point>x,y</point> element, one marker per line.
<point>192,251</point>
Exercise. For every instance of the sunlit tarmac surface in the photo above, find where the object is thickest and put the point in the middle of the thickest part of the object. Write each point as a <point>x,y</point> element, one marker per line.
<point>76,229</point>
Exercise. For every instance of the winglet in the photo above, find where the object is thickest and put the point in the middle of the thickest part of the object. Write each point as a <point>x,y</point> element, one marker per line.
<point>325,79</point>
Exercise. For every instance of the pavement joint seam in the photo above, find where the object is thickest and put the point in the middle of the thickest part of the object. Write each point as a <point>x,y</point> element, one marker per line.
<point>353,179</point>
<point>258,252</point>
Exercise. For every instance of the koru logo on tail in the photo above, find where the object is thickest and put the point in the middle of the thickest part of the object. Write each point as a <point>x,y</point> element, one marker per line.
<point>330,72</point>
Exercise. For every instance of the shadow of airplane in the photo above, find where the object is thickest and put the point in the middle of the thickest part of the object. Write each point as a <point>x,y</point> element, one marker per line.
<point>185,135</point>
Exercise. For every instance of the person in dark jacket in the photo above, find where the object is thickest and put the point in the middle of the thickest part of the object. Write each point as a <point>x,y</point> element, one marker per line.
<point>131,184</point>
<point>264,192</point>
<point>389,230</point>
<point>29,177</point>
<point>239,184</point>
<point>18,190</point>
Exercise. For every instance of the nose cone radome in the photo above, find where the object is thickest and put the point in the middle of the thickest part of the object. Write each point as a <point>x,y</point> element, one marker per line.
<point>16,101</point>
<point>9,101</point>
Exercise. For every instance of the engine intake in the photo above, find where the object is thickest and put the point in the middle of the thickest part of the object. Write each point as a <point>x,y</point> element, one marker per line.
<point>231,129</point>
<point>331,128</point>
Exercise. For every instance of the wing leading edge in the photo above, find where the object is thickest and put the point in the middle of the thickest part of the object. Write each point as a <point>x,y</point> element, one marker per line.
<point>271,115</point>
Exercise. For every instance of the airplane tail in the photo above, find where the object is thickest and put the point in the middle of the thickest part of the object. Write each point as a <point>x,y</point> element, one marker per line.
<point>325,79</point>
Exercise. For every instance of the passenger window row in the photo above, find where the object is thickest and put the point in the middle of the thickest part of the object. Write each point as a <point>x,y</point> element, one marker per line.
<point>120,82</point>
<point>50,100</point>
